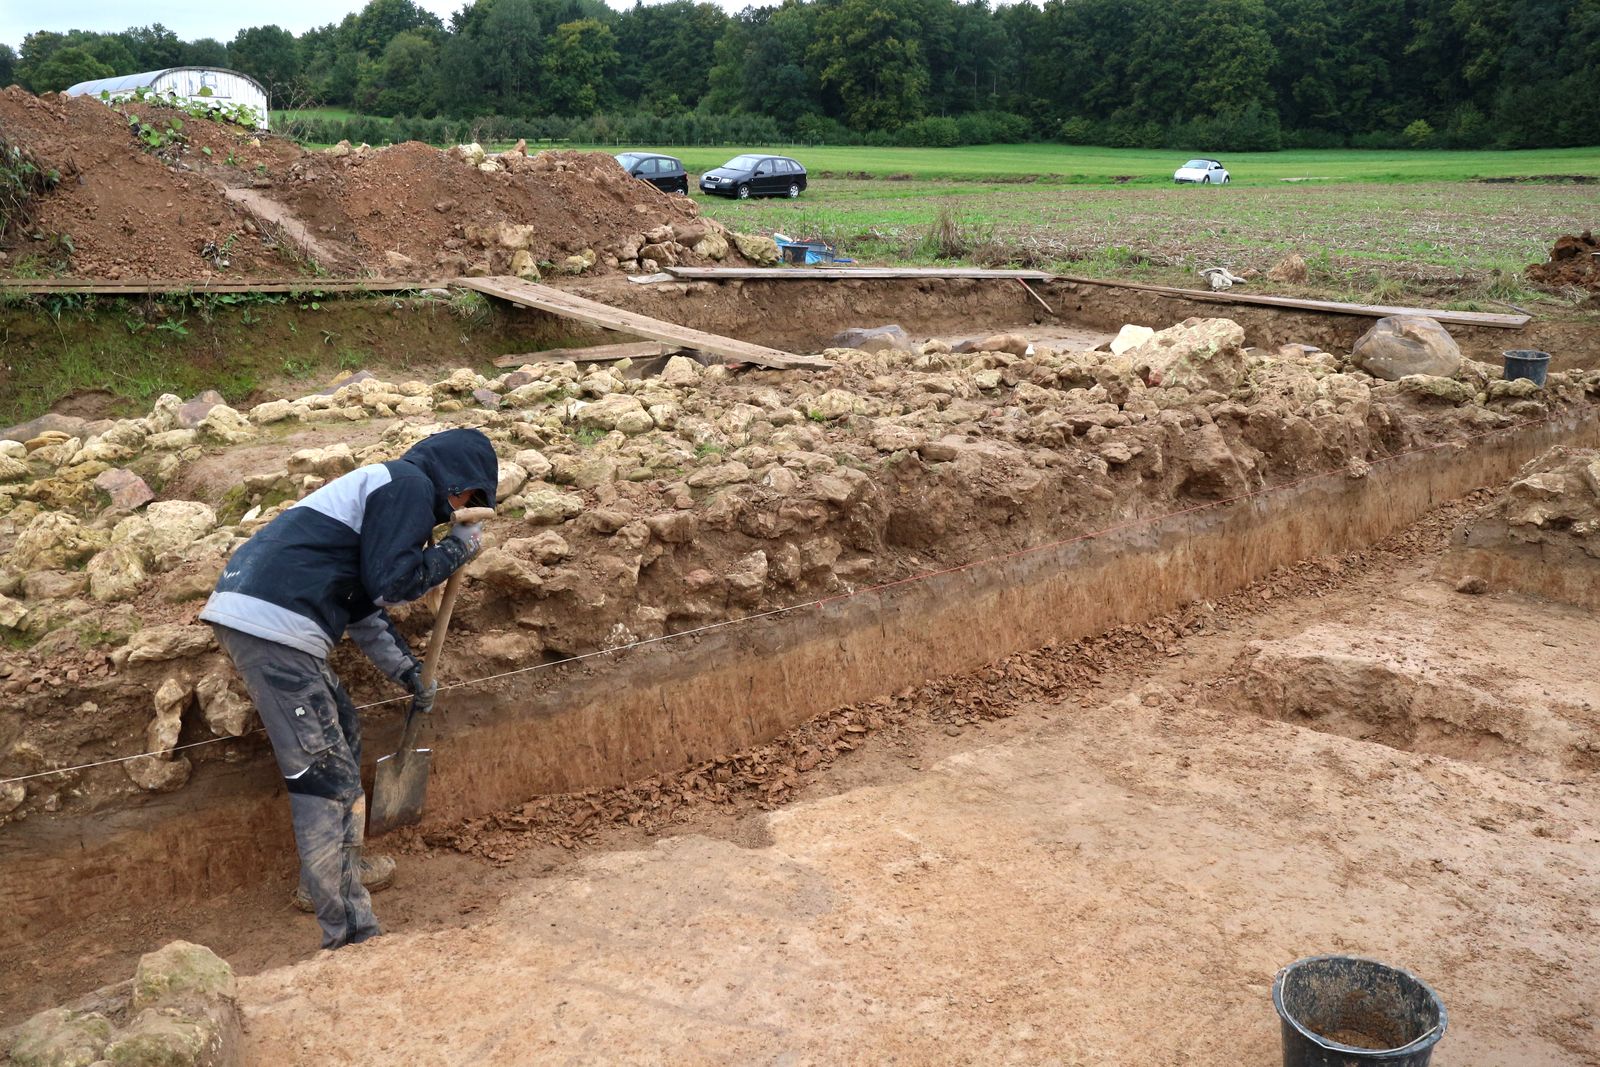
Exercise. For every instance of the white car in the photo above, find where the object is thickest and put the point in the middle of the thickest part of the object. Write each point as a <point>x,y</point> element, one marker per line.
<point>1201,172</point>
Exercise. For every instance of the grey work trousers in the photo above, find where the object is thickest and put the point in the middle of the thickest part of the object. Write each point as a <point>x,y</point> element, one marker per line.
<point>316,736</point>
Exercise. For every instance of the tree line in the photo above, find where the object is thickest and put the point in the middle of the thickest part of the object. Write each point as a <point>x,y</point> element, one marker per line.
<point>1193,74</point>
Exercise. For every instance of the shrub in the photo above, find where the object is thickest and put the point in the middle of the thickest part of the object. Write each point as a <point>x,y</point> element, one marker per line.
<point>1418,134</point>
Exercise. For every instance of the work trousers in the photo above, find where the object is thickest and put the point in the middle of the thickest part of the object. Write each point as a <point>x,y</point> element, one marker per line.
<point>316,737</point>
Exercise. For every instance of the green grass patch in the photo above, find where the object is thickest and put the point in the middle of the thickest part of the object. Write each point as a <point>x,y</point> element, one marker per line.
<point>1430,239</point>
<point>1081,164</point>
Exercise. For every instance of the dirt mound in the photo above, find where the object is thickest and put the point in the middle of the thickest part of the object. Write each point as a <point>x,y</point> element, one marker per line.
<point>442,212</point>
<point>197,198</point>
<point>119,211</point>
<point>1573,261</point>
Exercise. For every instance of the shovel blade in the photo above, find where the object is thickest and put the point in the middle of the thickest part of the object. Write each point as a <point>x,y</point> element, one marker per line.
<point>398,790</point>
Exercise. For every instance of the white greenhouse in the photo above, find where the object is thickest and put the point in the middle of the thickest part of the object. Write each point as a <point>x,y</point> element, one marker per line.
<point>212,86</point>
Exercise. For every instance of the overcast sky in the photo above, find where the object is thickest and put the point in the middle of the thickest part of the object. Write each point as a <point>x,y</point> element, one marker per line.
<point>190,19</point>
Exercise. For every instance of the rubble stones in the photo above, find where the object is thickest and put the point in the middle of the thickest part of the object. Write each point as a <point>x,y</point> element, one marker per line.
<point>126,489</point>
<point>1402,345</point>
<point>60,1037</point>
<point>155,644</point>
<point>54,540</point>
<point>757,249</point>
<point>547,507</point>
<point>1129,338</point>
<point>1196,354</point>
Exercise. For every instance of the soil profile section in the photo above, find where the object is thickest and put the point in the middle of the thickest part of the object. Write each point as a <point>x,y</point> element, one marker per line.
<point>683,701</point>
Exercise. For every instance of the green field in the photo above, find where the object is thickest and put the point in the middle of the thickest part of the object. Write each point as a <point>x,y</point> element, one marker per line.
<point>1457,242</point>
<point>1107,166</point>
<point>335,113</point>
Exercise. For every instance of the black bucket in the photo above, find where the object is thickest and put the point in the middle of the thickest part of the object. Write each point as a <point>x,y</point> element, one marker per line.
<point>1344,1011</point>
<point>1526,363</point>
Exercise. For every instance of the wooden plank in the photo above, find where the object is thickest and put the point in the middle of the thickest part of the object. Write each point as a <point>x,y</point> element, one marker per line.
<point>592,354</point>
<point>572,306</point>
<point>843,273</point>
<point>1333,307</point>
<point>181,287</point>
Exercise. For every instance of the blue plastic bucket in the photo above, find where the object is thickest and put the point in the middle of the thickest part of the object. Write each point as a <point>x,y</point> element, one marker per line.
<point>1526,363</point>
<point>1344,1011</point>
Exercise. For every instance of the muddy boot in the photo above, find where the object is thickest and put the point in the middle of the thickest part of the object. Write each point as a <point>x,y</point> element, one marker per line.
<point>377,874</point>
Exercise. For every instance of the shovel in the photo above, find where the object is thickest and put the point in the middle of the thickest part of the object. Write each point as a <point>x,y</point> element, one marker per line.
<point>400,785</point>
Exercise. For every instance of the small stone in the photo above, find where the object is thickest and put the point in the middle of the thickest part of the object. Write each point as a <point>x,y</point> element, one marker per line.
<point>1473,585</point>
<point>126,489</point>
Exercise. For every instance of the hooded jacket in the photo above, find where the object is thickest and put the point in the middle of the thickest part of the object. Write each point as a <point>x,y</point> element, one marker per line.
<point>331,562</point>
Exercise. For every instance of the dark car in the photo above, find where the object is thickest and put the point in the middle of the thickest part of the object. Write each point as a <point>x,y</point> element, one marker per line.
<point>753,175</point>
<point>663,172</point>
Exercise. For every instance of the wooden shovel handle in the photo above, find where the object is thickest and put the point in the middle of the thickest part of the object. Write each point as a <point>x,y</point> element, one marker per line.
<point>441,623</point>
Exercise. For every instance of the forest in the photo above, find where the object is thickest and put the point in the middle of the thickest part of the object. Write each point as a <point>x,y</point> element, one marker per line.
<point>1219,74</point>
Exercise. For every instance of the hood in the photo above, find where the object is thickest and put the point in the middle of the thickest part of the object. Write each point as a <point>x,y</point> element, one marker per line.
<point>456,461</point>
<point>725,172</point>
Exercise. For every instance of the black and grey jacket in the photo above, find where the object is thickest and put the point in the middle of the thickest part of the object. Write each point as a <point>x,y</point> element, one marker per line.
<point>330,563</point>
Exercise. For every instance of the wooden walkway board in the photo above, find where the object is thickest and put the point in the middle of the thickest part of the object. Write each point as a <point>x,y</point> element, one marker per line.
<point>182,286</point>
<point>1333,307</point>
<point>592,354</point>
<point>572,306</point>
<point>1228,296</point>
<point>843,273</point>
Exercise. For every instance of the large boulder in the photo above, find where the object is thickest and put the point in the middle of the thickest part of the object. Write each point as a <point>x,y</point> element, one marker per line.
<point>165,526</point>
<point>757,249</point>
<point>54,541</point>
<point>1401,345</point>
<point>1196,354</point>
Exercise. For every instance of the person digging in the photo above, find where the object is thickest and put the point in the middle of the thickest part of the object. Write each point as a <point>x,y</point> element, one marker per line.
<point>328,566</point>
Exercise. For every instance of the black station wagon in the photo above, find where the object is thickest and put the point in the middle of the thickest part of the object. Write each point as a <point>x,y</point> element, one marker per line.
<point>753,175</point>
<point>663,172</point>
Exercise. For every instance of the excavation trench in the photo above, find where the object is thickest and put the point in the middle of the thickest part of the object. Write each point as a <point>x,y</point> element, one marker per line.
<point>665,706</point>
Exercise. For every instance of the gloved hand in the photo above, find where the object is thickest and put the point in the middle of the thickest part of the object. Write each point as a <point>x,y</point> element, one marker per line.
<point>422,696</point>
<point>469,534</point>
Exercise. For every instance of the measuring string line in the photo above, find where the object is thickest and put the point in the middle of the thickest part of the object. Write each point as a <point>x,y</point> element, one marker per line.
<point>921,576</point>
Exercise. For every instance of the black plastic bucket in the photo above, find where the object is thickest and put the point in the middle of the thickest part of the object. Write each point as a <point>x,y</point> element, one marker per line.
<point>1344,1011</point>
<point>1526,363</point>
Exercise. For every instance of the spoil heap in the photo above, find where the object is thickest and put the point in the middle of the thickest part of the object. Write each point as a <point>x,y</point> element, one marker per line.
<point>208,199</point>
<point>640,506</point>
<point>1574,261</point>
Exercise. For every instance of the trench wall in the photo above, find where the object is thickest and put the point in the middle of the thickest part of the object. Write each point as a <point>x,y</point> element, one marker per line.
<point>679,702</point>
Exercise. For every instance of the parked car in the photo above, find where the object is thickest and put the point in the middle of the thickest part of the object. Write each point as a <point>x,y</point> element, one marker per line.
<point>1201,172</point>
<point>663,172</point>
<point>754,175</point>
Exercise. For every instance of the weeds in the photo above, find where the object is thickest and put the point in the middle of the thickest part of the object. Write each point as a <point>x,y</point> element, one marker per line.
<point>470,306</point>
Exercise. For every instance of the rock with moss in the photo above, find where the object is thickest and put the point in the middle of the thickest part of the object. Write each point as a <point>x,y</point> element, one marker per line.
<point>61,1037</point>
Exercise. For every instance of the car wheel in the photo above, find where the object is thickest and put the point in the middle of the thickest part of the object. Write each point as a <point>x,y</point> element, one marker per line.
<point>1226,180</point>
<point>794,191</point>
<point>1206,180</point>
<point>744,192</point>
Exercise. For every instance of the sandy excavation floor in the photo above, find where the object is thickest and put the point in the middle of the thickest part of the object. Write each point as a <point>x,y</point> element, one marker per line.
<point>1107,880</point>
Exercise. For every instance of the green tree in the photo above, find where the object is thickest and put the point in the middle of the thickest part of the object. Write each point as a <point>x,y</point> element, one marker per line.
<point>403,80</point>
<point>65,67</point>
<point>205,52</point>
<point>867,52</point>
<point>153,47</point>
<point>269,55</point>
<point>579,67</point>
<point>8,65</point>
<point>381,21</point>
